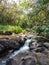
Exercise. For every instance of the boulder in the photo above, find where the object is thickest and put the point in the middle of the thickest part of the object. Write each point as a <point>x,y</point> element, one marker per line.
<point>9,44</point>
<point>22,59</point>
<point>46,45</point>
<point>11,62</point>
<point>1,48</point>
<point>21,41</point>
<point>30,58</point>
<point>42,59</point>
<point>41,39</point>
<point>13,44</point>
<point>33,45</point>
<point>28,37</point>
<point>3,51</point>
<point>39,49</point>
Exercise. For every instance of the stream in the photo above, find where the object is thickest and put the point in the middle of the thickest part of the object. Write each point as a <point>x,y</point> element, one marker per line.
<point>12,54</point>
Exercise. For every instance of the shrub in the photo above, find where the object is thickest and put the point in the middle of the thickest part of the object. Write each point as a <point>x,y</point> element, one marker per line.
<point>6,28</point>
<point>18,29</point>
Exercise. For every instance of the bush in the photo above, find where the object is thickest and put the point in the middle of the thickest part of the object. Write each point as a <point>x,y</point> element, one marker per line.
<point>28,29</point>
<point>42,30</point>
<point>34,28</point>
<point>18,29</point>
<point>10,28</point>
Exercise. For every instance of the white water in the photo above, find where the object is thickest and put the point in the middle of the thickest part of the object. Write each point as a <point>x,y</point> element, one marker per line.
<point>22,49</point>
<point>11,55</point>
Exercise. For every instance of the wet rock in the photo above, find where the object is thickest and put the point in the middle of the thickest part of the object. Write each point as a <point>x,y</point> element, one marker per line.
<point>13,44</point>
<point>21,41</point>
<point>33,44</point>
<point>32,58</point>
<point>8,44</point>
<point>27,37</point>
<point>21,60</point>
<point>11,62</point>
<point>38,56</point>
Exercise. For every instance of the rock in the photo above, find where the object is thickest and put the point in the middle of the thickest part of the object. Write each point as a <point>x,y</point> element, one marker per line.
<point>3,51</point>
<point>8,44</point>
<point>40,45</point>
<point>22,60</point>
<point>21,41</point>
<point>47,36</point>
<point>27,37</point>
<point>46,45</point>
<point>38,56</point>
<point>33,45</point>
<point>13,44</point>
<point>1,48</point>
<point>11,62</point>
<point>41,39</point>
<point>39,49</point>
<point>29,59</point>
<point>42,59</point>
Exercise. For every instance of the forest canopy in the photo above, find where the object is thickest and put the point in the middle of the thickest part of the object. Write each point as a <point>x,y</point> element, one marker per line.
<point>27,14</point>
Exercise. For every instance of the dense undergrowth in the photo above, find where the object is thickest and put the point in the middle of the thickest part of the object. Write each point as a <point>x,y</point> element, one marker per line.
<point>41,30</point>
<point>11,28</point>
<point>27,16</point>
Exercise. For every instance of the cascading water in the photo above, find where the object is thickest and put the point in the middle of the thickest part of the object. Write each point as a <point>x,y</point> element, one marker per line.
<point>11,55</point>
<point>22,49</point>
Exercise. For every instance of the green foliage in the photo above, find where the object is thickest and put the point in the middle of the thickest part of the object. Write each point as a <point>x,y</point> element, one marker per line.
<point>25,15</point>
<point>16,29</point>
<point>43,1</point>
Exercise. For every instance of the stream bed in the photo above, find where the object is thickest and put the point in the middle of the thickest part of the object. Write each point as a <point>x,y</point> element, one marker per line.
<point>12,53</point>
<point>36,48</point>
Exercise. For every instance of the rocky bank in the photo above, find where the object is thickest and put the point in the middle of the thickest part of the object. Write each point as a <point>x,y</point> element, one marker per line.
<point>38,53</point>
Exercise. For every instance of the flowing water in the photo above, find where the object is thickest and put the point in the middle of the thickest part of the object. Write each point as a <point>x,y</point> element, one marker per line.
<point>11,55</point>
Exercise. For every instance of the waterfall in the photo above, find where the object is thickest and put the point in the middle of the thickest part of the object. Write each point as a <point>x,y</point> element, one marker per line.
<point>11,55</point>
<point>22,49</point>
